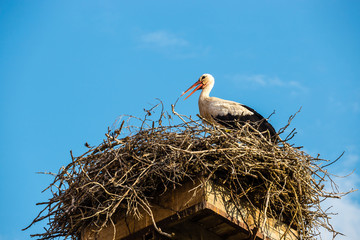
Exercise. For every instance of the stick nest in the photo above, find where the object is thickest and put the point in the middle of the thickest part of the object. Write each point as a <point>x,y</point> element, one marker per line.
<point>137,162</point>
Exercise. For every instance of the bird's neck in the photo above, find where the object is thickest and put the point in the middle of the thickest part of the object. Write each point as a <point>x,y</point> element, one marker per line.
<point>205,93</point>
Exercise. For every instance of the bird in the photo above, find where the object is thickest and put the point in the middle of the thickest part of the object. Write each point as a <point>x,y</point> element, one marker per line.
<point>229,114</point>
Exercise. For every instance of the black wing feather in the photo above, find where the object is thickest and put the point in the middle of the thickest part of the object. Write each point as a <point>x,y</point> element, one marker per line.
<point>255,119</point>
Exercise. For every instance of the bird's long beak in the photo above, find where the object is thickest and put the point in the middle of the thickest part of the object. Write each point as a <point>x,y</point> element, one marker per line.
<point>194,85</point>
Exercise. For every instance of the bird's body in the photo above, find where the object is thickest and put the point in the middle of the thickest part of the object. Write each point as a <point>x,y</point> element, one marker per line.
<point>227,113</point>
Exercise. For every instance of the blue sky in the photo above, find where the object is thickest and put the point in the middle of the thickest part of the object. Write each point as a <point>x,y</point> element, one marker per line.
<point>68,69</point>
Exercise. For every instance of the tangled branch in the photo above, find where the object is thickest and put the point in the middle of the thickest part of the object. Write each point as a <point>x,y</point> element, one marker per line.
<point>137,162</point>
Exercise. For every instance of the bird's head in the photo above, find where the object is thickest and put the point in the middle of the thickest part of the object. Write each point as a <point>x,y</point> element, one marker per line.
<point>204,81</point>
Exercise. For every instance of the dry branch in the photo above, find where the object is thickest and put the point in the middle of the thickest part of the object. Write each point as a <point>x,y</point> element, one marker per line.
<point>134,164</point>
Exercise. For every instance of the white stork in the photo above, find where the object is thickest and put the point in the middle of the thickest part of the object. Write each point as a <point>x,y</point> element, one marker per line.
<point>227,113</point>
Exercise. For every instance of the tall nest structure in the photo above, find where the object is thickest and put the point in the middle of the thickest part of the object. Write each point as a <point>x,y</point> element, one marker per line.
<point>137,162</point>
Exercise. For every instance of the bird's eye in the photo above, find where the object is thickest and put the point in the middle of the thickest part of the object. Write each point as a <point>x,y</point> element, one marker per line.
<point>202,77</point>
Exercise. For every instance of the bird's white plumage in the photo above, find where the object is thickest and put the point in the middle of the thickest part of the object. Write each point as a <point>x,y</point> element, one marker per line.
<point>224,112</point>
<point>210,107</point>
